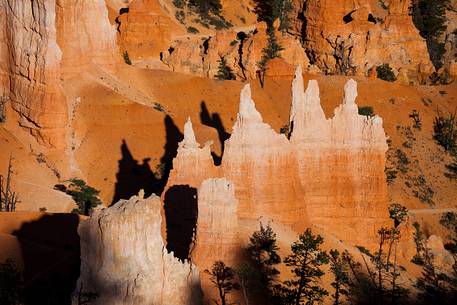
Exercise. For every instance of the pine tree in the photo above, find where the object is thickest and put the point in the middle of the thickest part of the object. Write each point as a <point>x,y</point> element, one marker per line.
<point>263,251</point>
<point>222,277</point>
<point>224,72</point>
<point>341,283</point>
<point>306,261</point>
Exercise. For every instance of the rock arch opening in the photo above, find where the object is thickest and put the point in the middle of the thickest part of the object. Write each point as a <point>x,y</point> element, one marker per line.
<point>181,212</point>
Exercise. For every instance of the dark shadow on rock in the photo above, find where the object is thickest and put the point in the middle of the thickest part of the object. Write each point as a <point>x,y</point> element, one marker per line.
<point>133,175</point>
<point>181,212</point>
<point>214,120</point>
<point>51,255</point>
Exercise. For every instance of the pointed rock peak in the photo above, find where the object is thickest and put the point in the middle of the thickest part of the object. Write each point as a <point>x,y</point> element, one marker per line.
<point>247,107</point>
<point>350,92</point>
<point>312,92</point>
<point>297,83</point>
<point>189,136</point>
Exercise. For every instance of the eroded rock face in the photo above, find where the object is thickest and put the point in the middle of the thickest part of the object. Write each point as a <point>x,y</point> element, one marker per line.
<point>30,68</point>
<point>341,163</point>
<point>124,260</point>
<point>352,37</point>
<point>330,173</point>
<point>217,230</point>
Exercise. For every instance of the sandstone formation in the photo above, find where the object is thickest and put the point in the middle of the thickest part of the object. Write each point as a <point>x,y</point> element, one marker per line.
<point>330,173</point>
<point>241,50</point>
<point>352,37</point>
<point>340,163</point>
<point>124,261</point>
<point>30,68</point>
<point>217,230</point>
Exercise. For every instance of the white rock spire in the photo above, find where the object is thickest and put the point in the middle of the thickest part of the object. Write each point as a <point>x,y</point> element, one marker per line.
<point>247,111</point>
<point>189,140</point>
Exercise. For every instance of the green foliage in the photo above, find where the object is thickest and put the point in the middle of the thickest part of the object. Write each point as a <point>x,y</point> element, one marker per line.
<point>429,16</point>
<point>398,213</point>
<point>449,221</point>
<point>306,261</point>
<point>10,283</point>
<point>224,72</point>
<point>402,161</point>
<point>342,283</point>
<point>391,174</point>
<point>270,10</point>
<point>452,169</point>
<point>445,132</point>
<point>366,111</point>
<point>127,58</point>
<point>179,3</point>
<point>386,73</point>
<point>192,30</point>
<point>86,197</point>
<point>207,6</point>
<point>272,50</point>
<point>222,278</point>
<point>263,252</point>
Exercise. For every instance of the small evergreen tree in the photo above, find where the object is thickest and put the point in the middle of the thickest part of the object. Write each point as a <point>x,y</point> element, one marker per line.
<point>222,277</point>
<point>270,10</point>
<point>272,50</point>
<point>445,128</point>
<point>86,197</point>
<point>224,72</point>
<point>341,283</point>
<point>398,213</point>
<point>263,251</point>
<point>205,7</point>
<point>306,261</point>
<point>386,73</point>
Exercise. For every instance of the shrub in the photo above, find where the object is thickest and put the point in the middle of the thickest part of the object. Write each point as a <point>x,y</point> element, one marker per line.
<point>366,111</point>
<point>86,197</point>
<point>445,132</point>
<point>403,162</point>
<point>179,3</point>
<point>398,213</point>
<point>2,109</point>
<point>417,120</point>
<point>429,17</point>
<point>180,16</point>
<point>192,30</point>
<point>224,72</point>
<point>127,58</point>
<point>386,73</point>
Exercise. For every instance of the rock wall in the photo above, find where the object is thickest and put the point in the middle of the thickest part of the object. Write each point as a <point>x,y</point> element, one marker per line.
<point>352,37</point>
<point>124,261</point>
<point>217,230</point>
<point>30,68</point>
<point>341,164</point>
<point>329,174</point>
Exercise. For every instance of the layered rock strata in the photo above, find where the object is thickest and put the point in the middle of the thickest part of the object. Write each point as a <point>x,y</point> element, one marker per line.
<point>352,37</point>
<point>330,173</point>
<point>217,230</point>
<point>30,68</point>
<point>124,260</point>
<point>340,162</point>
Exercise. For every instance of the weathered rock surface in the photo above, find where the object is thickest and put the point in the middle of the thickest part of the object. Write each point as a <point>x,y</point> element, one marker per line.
<point>352,37</point>
<point>30,68</point>
<point>340,162</point>
<point>124,260</point>
<point>217,230</point>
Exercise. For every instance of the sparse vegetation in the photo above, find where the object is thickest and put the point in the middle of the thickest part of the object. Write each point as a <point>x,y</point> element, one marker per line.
<point>402,161</point>
<point>386,73</point>
<point>85,196</point>
<point>10,283</point>
<point>3,109</point>
<point>272,50</point>
<point>192,30</point>
<point>397,213</point>
<point>8,198</point>
<point>419,240</point>
<point>270,10</point>
<point>429,16</point>
<point>366,111</point>
<point>224,72</point>
<point>423,191</point>
<point>391,174</point>
<point>445,128</point>
<point>416,118</point>
<point>223,278</point>
<point>127,58</point>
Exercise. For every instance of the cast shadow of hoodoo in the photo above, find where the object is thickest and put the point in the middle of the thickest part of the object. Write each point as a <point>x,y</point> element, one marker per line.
<point>181,212</point>
<point>214,120</point>
<point>132,175</point>
<point>51,255</point>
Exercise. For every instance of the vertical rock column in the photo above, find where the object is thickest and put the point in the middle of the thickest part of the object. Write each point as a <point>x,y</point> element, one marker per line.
<point>217,230</point>
<point>124,261</point>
